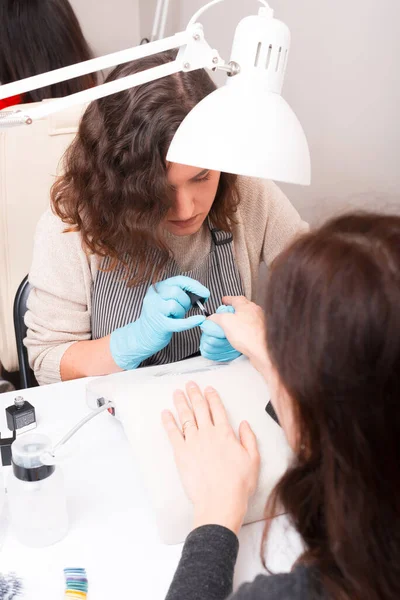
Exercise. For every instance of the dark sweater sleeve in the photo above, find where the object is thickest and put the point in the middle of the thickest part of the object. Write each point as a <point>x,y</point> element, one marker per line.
<point>285,586</point>
<point>205,571</point>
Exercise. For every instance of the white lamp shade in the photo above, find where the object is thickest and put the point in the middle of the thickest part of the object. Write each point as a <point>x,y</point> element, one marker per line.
<point>246,130</point>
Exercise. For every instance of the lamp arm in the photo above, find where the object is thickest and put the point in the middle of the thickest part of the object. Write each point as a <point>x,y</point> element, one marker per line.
<point>90,66</point>
<point>195,53</point>
<point>106,89</point>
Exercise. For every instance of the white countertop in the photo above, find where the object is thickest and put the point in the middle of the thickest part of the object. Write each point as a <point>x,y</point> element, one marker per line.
<point>112,532</point>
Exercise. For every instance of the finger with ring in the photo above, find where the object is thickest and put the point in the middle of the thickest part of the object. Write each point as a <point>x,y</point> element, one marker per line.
<point>187,425</point>
<point>185,413</point>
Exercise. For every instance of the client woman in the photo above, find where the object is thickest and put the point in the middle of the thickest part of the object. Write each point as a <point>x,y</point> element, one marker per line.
<point>331,356</point>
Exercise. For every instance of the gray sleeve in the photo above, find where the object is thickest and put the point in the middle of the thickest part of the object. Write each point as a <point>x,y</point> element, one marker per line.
<point>285,586</point>
<point>205,571</point>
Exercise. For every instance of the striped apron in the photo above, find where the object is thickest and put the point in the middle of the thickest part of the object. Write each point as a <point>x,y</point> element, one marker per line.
<point>115,305</point>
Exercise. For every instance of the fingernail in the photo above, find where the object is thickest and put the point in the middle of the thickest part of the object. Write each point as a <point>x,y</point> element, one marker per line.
<point>192,384</point>
<point>209,390</point>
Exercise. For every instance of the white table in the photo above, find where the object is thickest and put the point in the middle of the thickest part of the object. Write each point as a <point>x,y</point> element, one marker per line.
<point>112,533</point>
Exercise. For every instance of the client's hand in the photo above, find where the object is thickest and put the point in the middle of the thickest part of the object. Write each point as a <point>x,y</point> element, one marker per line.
<point>245,329</point>
<point>163,312</point>
<point>213,342</point>
<point>219,472</point>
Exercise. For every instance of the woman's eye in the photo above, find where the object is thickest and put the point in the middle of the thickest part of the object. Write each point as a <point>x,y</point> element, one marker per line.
<point>206,178</point>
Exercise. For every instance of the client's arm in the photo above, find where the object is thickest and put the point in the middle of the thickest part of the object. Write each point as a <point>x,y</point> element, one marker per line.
<point>205,571</point>
<point>219,473</point>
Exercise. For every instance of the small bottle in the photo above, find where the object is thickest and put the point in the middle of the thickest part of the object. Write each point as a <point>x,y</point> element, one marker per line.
<point>37,501</point>
<point>21,416</point>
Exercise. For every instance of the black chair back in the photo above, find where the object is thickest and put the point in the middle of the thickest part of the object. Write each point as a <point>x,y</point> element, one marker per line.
<point>27,378</point>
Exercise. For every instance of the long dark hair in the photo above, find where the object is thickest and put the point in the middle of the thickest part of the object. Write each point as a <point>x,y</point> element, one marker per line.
<point>37,36</point>
<point>114,189</point>
<point>333,320</point>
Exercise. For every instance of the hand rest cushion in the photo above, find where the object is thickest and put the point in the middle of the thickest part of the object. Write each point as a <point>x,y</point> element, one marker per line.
<point>139,398</point>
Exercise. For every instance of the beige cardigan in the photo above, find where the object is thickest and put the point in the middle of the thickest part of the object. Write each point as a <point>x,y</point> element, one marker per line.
<point>62,274</point>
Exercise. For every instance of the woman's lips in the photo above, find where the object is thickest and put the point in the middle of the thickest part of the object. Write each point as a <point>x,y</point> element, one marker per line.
<point>184,224</point>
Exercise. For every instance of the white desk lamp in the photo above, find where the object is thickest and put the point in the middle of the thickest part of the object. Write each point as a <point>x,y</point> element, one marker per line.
<point>245,127</point>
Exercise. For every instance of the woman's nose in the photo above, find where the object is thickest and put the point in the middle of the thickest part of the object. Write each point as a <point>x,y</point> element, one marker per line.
<point>184,206</point>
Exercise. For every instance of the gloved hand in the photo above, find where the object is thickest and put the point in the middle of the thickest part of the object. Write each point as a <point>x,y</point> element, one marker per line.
<point>163,313</point>
<point>213,343</point>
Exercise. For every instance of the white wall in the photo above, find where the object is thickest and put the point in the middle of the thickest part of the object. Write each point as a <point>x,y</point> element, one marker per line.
<point>342,81</point>
<point>344,84</point>
<point>147,12</point>
<point>109,26</point>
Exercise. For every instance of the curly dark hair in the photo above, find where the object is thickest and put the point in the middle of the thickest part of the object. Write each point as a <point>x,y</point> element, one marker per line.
<point>335,343</point>
<point>114,189</point>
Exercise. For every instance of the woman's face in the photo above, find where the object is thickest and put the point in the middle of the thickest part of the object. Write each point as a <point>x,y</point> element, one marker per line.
<point>282,404</point>
<point>193,192</point>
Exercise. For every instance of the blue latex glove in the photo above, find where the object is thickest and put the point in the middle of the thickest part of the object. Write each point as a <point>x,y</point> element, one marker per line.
<point>213,343</point>
<point>163,313</point>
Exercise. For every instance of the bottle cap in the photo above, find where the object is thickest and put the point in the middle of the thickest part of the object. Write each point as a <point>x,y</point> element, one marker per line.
<point>19,402</point>
<point>27,457</point>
